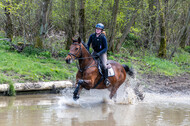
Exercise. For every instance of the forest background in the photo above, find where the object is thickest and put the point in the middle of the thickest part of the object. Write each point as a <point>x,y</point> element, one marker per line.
<point>152,36</point>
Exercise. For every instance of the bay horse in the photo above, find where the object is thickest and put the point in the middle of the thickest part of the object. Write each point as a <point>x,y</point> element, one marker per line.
<point>88,75</point>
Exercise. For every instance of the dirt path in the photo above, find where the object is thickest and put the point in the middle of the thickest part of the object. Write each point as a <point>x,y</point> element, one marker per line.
<point>164,84</point>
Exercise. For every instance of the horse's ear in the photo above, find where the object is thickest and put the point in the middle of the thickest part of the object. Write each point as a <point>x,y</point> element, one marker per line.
<point>79,40</point>
<point>73,39</point>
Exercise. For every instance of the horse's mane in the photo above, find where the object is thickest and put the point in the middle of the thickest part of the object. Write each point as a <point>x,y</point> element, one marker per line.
<point>84,45</point>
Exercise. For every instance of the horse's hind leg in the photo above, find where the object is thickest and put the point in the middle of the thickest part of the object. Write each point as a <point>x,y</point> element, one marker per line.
<point>113,92</point>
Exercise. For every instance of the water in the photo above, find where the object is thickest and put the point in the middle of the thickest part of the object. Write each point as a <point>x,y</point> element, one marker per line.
<point>94,109</point>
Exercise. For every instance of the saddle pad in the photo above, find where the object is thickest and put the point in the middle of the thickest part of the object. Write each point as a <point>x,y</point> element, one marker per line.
<point>111,72</point>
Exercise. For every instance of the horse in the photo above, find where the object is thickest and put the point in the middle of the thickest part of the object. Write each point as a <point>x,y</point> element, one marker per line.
<point>88,75</point>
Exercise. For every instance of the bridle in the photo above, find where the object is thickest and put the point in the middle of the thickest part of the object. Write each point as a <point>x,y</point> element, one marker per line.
<point>78,55</point>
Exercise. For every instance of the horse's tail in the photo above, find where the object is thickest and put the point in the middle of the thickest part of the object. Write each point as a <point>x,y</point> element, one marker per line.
<point>128,70</point>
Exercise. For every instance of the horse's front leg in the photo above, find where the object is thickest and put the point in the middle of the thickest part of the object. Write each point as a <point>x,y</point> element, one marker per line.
<point>80,84</point>
<point>76,93</point>
<point>78,88</point>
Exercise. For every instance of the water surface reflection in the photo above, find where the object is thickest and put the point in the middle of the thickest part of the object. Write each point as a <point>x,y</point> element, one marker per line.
<point>49,110</point>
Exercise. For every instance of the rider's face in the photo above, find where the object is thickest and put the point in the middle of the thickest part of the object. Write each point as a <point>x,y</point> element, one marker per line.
<point>98,30</point>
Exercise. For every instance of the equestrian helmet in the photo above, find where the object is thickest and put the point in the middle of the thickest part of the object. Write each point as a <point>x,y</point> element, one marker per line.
<point>100,25</point>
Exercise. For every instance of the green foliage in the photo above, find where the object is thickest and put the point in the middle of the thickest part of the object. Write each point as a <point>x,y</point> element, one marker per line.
<point>35,64</point>
<point>11,91</point>
<point>63,53</point>
<point>131,41</point>
<point>2,34</point>
<point>145,62</point>
<point>111,58</point>
<point>30,50</point>
<point>4,79</point>
<point>4,45</point>
<point>33,67</point>
<point>160,66</point>
<point>182,59</point>
<point>187,49</point>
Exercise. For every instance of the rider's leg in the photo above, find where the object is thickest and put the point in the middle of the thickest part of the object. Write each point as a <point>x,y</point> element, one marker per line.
<point>103,58</point>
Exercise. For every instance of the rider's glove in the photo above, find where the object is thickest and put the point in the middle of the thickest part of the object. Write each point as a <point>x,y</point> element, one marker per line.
<point>97,55</point>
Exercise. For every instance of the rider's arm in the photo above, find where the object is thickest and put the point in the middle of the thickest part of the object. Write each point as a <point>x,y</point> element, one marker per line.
<point>105,45</point>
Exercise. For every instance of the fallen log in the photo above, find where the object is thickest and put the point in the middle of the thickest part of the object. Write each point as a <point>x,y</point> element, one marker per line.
<point>37,86</point>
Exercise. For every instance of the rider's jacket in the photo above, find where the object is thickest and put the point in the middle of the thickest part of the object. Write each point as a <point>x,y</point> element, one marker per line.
<point>99,44</point>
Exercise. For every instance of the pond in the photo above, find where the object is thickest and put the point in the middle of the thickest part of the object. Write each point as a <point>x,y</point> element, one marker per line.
<point>93,109</point>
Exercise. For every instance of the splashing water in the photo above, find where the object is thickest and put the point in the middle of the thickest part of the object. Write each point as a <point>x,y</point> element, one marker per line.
<point>87,99</point>
<point>125,95</point>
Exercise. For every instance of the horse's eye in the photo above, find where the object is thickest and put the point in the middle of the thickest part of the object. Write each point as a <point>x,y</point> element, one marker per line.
<point>76,48</point>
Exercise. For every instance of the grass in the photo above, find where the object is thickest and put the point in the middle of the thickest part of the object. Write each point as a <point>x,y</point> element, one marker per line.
<point>147,63</point>
<point>18,67</point>
<point>37,65</point>
<point>160,66</point>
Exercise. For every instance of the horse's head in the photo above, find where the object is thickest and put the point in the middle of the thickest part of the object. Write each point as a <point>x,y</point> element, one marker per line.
<point>75,51</point>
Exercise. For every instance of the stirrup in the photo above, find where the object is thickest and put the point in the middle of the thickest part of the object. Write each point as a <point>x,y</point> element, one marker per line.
<point>107,82</point>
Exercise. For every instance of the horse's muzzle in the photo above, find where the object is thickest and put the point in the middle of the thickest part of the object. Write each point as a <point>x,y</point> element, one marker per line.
<point>68,59</point>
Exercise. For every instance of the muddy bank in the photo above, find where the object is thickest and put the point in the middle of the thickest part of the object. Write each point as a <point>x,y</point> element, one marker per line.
<point>165,84</point>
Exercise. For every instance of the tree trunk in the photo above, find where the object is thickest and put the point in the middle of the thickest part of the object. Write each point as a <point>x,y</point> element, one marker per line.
<point>37,86</point>
<point>152,12</point>
<point>166,17</point>
<point>71,24</point>
<point>162,49</point>
<point>112,27</point>
<point>126,31</point>
<point>9,25</point>
<point>82,30</point>
<point>44,24</point>
<point>184,35</point>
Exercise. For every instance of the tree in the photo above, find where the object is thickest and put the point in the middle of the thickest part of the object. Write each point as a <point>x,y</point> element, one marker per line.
<point>43,23</point>
<point>82,30</point>
<point>152,22</point>
<point>184,35</point>
<point>71,28</point>
<point>9,25</point>
<point>112,26</point>
<point>126,31</point>
<point>162,48</point>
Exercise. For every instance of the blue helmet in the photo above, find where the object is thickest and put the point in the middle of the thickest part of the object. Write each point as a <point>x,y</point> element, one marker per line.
<point>100,25</point>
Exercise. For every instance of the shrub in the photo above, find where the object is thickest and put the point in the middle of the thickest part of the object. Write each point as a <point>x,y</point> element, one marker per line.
<point>187,49</point>
<point>11,91</point>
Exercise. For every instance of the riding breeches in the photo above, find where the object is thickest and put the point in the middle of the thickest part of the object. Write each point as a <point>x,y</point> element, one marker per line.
<point>103,58</point>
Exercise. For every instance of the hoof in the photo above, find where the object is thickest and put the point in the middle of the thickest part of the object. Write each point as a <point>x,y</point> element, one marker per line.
<point>75,97</point>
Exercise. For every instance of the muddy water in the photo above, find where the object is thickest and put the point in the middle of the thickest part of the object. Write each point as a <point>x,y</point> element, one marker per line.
<point>94,110</point>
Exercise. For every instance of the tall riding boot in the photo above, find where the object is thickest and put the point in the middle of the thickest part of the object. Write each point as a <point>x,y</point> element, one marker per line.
<point>106,80</point>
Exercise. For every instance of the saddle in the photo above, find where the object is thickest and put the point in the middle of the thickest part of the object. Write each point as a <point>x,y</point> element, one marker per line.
<point>110,69</point>
<point>110,72</point>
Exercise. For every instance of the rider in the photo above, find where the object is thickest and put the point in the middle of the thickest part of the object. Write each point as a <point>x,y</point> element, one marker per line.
<point>100,47</point>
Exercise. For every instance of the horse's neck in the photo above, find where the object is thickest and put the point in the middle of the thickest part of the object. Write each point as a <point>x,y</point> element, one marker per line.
<point>86,60</point>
